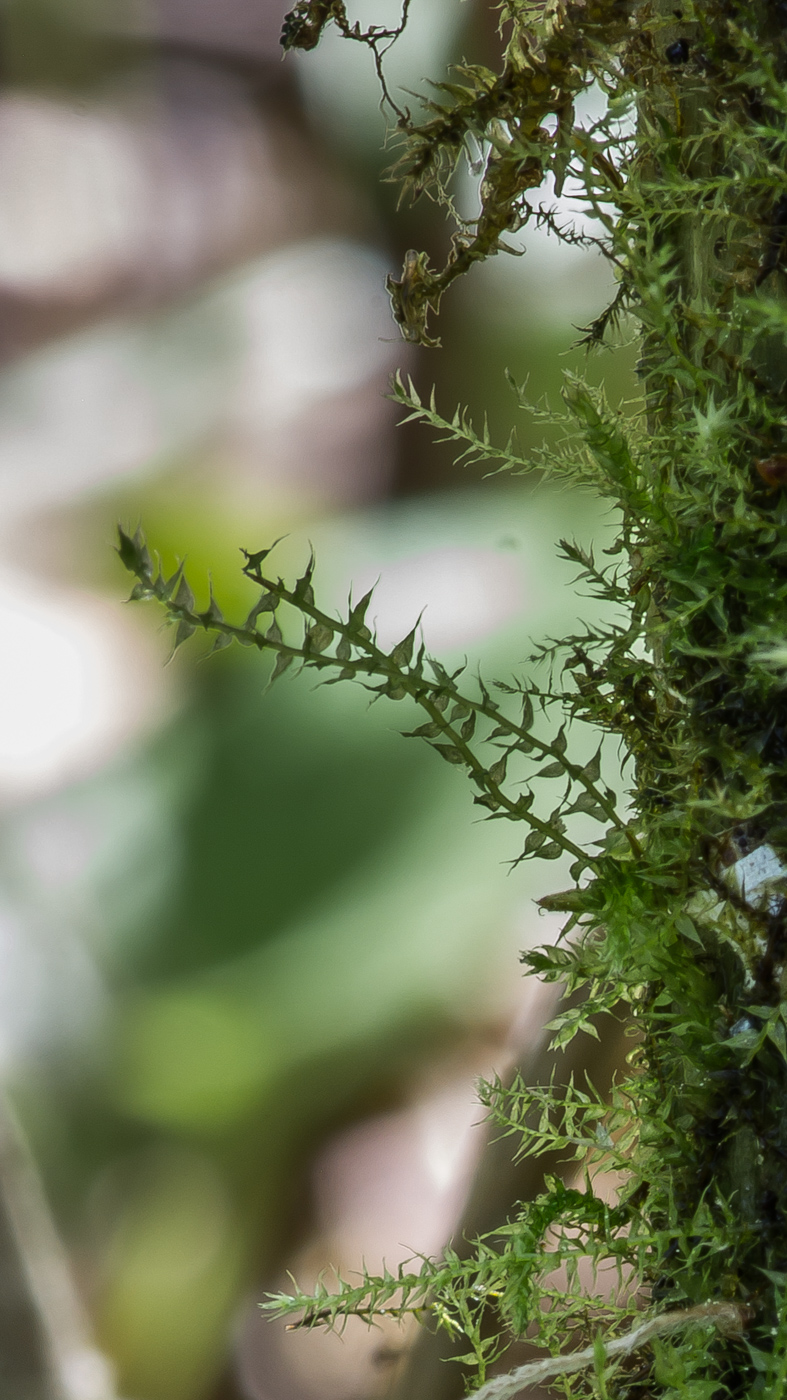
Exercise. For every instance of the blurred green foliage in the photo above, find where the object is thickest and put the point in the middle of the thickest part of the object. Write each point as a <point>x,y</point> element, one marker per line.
<point>291,910</point>
<point>297,913</point>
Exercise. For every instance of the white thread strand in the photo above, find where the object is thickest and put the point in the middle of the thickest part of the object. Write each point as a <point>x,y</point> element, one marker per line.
<point>728,1317</point>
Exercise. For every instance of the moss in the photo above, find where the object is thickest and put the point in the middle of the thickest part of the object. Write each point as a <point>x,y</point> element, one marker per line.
<point>673,916</point>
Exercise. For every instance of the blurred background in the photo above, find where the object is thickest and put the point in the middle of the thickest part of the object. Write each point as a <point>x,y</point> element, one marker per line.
<point>253,953</point>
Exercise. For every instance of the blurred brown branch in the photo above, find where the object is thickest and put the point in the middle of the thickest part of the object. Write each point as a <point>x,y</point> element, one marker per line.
<point>500,1183</point>
<point>46,1351</point>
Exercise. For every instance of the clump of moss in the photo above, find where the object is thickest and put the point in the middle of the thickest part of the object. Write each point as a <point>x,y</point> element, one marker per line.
<point>677,914</point>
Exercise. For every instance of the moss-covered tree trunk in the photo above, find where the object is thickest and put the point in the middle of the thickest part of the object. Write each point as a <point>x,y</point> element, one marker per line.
<point>714,771</point>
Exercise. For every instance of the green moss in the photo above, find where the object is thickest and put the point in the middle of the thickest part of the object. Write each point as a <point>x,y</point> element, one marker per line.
<point>675,919</point>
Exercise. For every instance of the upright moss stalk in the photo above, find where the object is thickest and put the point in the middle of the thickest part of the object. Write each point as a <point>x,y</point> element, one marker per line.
<point>677,915</point>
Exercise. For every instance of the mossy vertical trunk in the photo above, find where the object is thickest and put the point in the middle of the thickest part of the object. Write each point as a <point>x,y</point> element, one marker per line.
<point>716,775</point>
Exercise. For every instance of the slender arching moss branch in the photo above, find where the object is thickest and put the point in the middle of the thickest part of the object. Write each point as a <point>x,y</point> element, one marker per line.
<point>481,775</point>
<point>537,80</point>
<point>487,708</point>
<point>176,596</point>
<point>367,1314</point>
<point>573,770</point>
